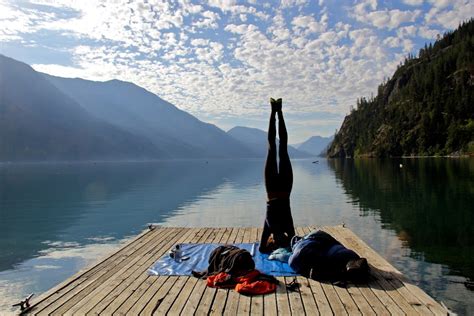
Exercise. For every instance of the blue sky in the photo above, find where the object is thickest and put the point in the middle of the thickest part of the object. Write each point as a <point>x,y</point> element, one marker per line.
<point>221,60</point>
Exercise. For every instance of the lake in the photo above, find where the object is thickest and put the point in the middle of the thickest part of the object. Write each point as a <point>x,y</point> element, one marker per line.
<point>57,218</point>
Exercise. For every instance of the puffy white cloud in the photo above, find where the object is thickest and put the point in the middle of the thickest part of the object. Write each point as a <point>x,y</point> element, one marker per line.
<point>200,42</point>
<point>290,3</point>
<point>450,13</point>
<point>413,2</point>
<point>208,19</point>
<point>388,18</point>
<point>308,24</point>
<point>407,31</point>
<point>428,33</point>
<point>222,59</point>
<point>224,5</point>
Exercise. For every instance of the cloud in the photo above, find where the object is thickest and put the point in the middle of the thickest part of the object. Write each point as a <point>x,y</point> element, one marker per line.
<point>291,3</point>
<point>387,18</point>
<point>413,2</point>
<point>223,59</point>
<point>62,71</point>
<point>308,24</point>
<point>449,13</point>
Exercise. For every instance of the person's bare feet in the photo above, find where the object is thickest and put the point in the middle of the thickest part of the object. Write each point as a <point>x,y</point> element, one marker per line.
<point>276,104</point>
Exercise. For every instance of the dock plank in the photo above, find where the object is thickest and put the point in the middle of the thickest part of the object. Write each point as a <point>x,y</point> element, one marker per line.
<point>194,299</point>
<point>220,299</point>
<point>52,296</point>
<point>182,288</point>
<point>256,302</point>
<point>417,296</point>
<point>382,280</point>
<point>330,293</point>
<point>135,302</point>
<point>161,292</point>
<point>149,289</point>
<point>232,301</point>
<point>269,300</point>
<point>67,296</point>
<point>44,298</point>
<point>92,294</point>
<point>244,301</point>
<point>101,298</point>
<point>119,284</point>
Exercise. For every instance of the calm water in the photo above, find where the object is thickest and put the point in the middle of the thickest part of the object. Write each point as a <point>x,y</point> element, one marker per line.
<point>55,219</point>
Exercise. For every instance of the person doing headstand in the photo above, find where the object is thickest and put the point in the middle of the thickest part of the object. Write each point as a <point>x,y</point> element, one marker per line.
<point>278,228</point>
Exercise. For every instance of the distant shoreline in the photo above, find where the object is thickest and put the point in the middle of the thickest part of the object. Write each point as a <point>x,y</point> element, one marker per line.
<point>405,157</point>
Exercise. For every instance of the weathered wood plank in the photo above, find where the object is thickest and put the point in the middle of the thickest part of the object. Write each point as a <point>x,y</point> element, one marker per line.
<point>232,302</point>
<point>413,294</point>
<point>180,292</point>
<point>52,296</point>
<point>161,293</point>
<point>360,300</point>
<point>307,296</point>
<point>202,300</point>
<point>218,236</point>
<point>119,284</point>
<point>269,301</point>
<point>347,301</point>
<point>329,290</point>
<point>208,294</point>
<point>135,302</point>
<point>220,299</point>
<point>283,303</point>
<point>256,302</point>
<point>324,307</point>
<point>87,270</point>
<point>387,304</point>
<point>150,289</point>
<point>64,300</point>
<point>294,297</point>
<point>321,301</point>
<point>92,294</point>
<point>244,301</point>
<point>378,273</point>
<point>101,297</point>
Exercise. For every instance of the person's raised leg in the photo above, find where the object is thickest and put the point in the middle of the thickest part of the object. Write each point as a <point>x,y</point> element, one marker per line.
<point>271,168</point>
<point>285,170</point>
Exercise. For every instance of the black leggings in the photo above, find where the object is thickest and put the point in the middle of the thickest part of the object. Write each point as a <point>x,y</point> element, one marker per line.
<point>278,183</point>
<point>278,180</point>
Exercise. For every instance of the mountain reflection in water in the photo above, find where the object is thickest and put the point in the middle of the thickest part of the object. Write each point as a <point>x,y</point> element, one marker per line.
<point>427,202</point>
<point>56,218</point>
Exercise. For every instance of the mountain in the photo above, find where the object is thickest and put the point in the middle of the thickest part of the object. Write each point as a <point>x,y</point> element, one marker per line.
<point>315,145</point>
<point>134,109</point>
<point>426,108</point>
<point>39,122</point>
<point>256,140</point>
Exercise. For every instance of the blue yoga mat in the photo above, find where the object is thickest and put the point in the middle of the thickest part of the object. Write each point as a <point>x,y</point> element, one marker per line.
<point>199,260</point>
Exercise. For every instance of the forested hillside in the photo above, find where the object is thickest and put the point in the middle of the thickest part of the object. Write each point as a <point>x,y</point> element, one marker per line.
<point>426,108</point>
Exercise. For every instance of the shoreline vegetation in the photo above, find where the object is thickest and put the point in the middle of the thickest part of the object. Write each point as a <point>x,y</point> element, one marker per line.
<point>369,156</point>
<point>425,110</point>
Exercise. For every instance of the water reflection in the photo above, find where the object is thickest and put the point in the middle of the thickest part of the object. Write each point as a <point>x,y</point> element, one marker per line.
<point>71,203</point>
<point>55,219</point>
<point>428,202</point>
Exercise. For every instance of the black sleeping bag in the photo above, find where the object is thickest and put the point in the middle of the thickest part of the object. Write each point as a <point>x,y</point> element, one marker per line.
<point>321,257</point>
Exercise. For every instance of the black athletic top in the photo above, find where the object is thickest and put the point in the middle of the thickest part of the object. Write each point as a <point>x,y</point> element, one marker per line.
<point>279,220</point>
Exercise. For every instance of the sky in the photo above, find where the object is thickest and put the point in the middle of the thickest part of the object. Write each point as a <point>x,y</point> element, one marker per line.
<point>221,60</point>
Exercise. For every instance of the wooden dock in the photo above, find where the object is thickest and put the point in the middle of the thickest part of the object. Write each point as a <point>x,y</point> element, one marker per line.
<point>120,285</point>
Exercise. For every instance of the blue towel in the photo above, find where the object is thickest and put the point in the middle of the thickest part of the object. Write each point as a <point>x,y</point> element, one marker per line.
<point>199,260</point>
